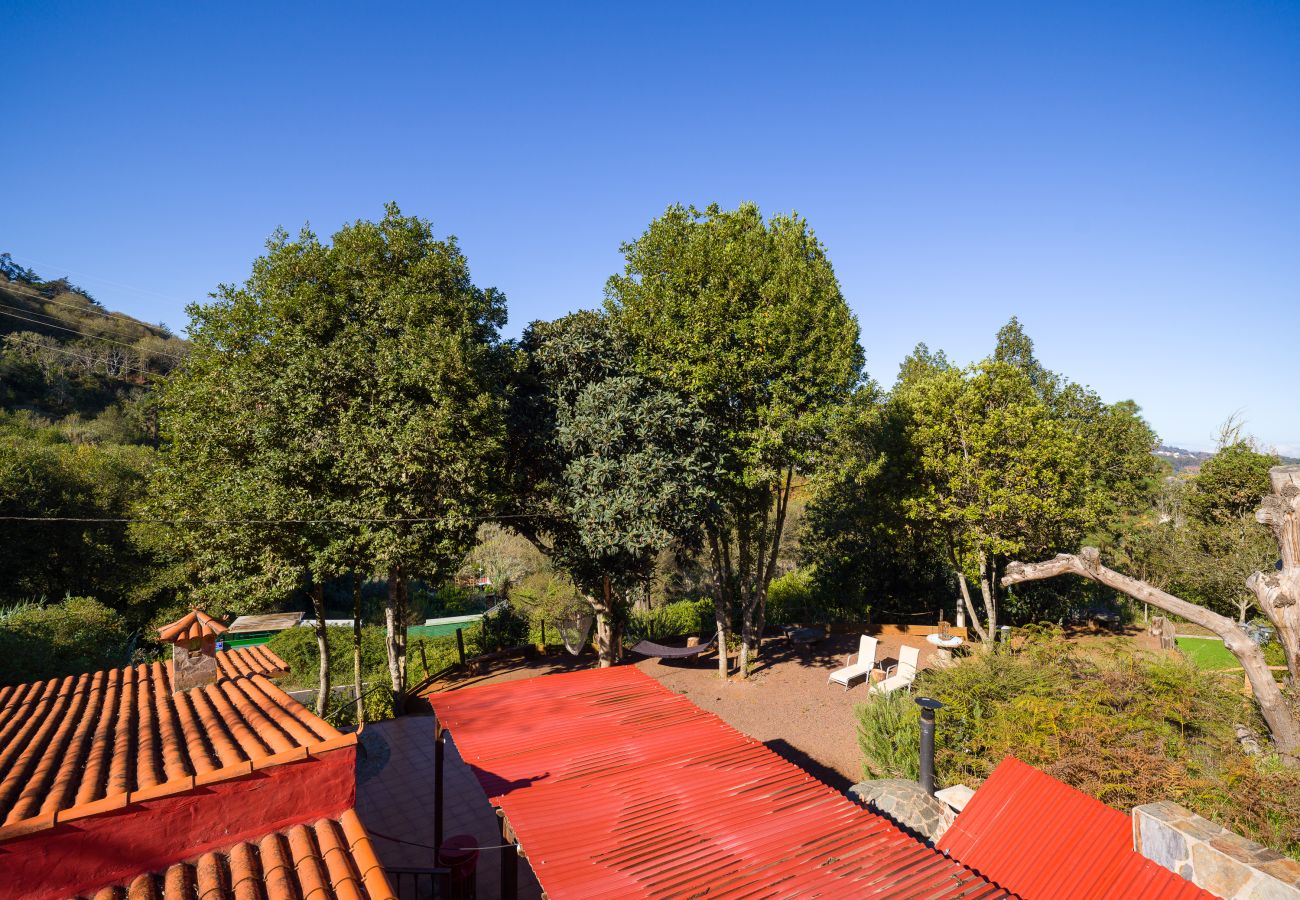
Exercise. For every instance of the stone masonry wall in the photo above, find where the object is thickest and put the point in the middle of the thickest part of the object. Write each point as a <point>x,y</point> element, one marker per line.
<point>1218,860</point>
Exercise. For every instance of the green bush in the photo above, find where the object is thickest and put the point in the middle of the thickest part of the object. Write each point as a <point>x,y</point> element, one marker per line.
<point>790,598</point>
<point>680,619</point>
<point>1127,728</point>
<point>505,628</point>
<point>377,700</point>
<point>297,647</point>
<point>889,733</point>
<point>80,634</point>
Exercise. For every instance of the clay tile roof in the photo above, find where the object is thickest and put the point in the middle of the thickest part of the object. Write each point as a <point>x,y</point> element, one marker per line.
<point>326,860</point>
<point>254,660</point>
<point>192,625</point>
<point>70,741</point>
<point>617,787</point>
<point>1041,838</point>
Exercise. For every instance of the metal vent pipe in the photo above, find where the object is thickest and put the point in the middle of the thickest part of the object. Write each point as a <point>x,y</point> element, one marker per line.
<point>928,706</point>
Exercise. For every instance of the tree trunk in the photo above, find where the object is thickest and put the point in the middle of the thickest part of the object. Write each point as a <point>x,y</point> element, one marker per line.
<point>1278,592</point>
<point>1284,726</point>
<point>322,646</point>
<point>965,592</point>
<point>606,627</point>
<point>722,601</point>
<point>356,647</point>
<point>395,638</point>
<point>989,593</point>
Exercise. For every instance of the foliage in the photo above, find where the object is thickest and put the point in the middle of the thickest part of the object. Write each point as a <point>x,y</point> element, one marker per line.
<point>297,647</point>
<point>78,634</point>
<point>504,629</point>
<point>792,598</point>
<point>1203,542</point>
<point>348,380</point>
<point>963,468</point>
<point>1127,728</point>
<point>377,699</point>
<point>745,317</point>
<point>681,619</point>
<point>503,555</point>
<point>42,475</point>
<point>889,733</point>
<point>612,470</point>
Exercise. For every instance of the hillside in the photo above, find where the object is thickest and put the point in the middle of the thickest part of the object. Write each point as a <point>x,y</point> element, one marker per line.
<point>62,355</point>
<point>1190,461</point>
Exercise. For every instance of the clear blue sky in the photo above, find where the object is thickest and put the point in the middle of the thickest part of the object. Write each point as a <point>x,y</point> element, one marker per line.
<point>1124,177</point>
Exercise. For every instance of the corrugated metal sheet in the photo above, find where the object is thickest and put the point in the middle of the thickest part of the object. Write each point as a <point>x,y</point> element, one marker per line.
<point>1041,838</point>
<point>617,787</point>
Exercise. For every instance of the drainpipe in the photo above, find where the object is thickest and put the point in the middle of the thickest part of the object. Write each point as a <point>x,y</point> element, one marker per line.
<point>928,707</point>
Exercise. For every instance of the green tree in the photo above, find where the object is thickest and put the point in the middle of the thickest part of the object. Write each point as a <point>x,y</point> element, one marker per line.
<point>1012,459</point>
<point>44,477</point>
<point>745,317</point>
<point>340,413</point>
<point>617,472</point>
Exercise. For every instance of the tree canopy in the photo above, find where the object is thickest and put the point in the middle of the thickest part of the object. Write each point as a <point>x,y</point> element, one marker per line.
<point>745,317</point>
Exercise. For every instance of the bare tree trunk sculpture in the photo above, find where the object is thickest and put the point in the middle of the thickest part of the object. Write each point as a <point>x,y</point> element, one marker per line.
<point>1272,704</point>
<point>1278,592</point>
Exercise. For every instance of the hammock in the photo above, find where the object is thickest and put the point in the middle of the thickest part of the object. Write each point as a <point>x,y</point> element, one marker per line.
<point>575,632</point>
<point>650,648</point>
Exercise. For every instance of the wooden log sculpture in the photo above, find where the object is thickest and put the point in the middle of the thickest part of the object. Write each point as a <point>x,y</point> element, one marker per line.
<point>1277,593</point>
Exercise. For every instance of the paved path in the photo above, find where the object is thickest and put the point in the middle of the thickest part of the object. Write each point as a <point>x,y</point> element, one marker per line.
<point>395,778</point>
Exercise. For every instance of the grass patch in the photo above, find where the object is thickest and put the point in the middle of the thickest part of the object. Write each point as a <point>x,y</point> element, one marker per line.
<point>1208,653</point>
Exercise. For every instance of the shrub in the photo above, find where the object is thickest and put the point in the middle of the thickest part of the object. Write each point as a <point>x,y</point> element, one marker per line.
<point>889,733</point>
<point>1123,727</point>
<point>680,619</point>
<point>297,647</point>
<point>80,634</point>
<point>790,598</point>
<point>505,628</point>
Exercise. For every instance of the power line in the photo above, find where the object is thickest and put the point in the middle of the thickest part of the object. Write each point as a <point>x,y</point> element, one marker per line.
<point>340,521</point>
<point>80,356</point>
<point>92,308</point>
<point>101,280</point>
<point>6,311</point>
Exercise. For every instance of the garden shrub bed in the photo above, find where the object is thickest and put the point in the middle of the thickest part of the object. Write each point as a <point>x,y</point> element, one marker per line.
<point>1127,728</point>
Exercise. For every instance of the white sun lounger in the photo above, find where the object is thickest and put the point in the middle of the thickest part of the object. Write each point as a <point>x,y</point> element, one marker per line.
<point>860,669</point>
<point>901,675</point>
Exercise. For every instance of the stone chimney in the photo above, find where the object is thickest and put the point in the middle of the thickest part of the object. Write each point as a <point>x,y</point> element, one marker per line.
<point>1212,857</point>
<point>194,649</point>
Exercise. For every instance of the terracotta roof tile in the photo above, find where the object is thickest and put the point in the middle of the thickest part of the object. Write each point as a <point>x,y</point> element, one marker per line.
<point>254,660</point>
<point>327,860</point>
<point>191,626</point>
<point>99,737</point>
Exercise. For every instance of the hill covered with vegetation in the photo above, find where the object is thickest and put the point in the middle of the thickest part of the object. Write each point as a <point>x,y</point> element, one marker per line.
<point>67,361</point>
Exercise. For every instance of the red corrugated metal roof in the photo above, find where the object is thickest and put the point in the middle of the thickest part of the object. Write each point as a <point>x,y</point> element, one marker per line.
<point>1041,838</point>
<point>617,787</point>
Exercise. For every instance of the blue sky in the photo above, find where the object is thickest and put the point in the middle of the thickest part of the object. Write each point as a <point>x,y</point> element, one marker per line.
<point>1124,177</point>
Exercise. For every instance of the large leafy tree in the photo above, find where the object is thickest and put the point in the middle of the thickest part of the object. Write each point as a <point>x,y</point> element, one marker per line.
<point>745,317</point>
<point>1011,458</point>
<point>340,413</point>
<point>611,470</point>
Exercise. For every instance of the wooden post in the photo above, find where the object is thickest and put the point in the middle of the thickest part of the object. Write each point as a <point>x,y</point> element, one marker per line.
<point>460,647</point>
<point>424,660</point>
<point>509,861</point>
<point>439,750</point>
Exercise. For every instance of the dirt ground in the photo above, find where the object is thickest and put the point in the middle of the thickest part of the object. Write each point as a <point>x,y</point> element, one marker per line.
<point>786,703</point>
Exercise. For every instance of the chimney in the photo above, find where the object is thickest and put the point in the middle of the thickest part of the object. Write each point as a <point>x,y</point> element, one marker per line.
<point>928,706</point>
<point>194,650</point>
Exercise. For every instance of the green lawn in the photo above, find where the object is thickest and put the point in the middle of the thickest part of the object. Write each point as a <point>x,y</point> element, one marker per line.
<point>1208,653</point>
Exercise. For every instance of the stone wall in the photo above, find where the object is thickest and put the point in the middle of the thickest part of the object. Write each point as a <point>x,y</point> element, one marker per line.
<point>1218,860</point>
